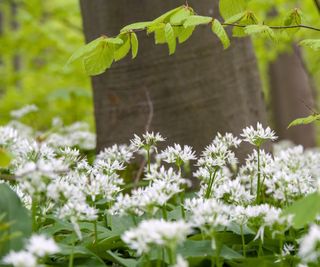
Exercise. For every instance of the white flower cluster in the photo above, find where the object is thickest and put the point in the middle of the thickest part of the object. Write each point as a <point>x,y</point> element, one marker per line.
<point>156,232</point>
<point>37,247</point>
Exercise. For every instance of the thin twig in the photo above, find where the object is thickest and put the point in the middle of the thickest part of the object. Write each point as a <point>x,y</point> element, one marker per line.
<point>276,27</point>
<point>147,128</point>
<point>317,3</point>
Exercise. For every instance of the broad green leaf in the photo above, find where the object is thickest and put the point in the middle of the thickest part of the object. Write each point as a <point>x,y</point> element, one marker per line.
<point>235,18</point>
<point>249,18</point>
<point>185,34</point>
<point>229,8</point>
<point>134,44</point>
<point>122,50</point>
<point>304,210</point>
<point>218,29</point>
<point>86,49</point>
<point>293,19</point>
<point>97,62</point>
<point>5,158</point>
<point>124,262</point>
<point>136,26</point>
<point>260,29</point>
<point>196,20</point>
<point>116,41</point>
<point>171,39</point>
<point>159,35</point>
<point>18,218</point>
<point>306,120</point>
<point>312,43</point>
<point>166,16</point>
<point>179,17</point>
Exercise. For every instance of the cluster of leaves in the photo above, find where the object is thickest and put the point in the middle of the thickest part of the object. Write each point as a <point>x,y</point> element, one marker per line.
<point>177,25</point>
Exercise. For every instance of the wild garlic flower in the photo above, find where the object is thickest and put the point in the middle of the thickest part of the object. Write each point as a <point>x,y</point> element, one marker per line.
<point>148,141</point>
<point>178,155</point>
<point>37,247</point>
<point>120,153</point>
<point>19,113</point>
<point>154,232</point>
<point>180,262</point>
<point>309,245</point>
<point>259,135</point>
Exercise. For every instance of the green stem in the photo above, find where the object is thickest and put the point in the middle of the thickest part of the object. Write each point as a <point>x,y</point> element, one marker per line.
<point>148,159</point>
<point>259,179</point>
<point>183,213</point>
<point>34,205</point>
<point>71,257</point>
<point>95,232</point>
<point>164,212</point>
<point>211,180</point>
<point>243,241</point>
<point>172,255</point>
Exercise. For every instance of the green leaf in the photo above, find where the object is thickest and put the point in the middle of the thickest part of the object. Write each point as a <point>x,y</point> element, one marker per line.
<point>304,210</point>
<point>229,8</point>
<point>196,20</point>
<point>122,50</point>
<point>249,18</point>
<point>124,262</point>
<point>97,62</point>
<point>293,18</point>
<point>185,34</point>
<point>5,158</point>
<point>218,29</point>
<point>18,218</point>
<point>235,18</point>
<point>179,17</point>
<point>159,35</point>
<point>116,41</point>
<point>170,38</point>
<point>260,29</point>
<point>86,49</point>
<point>306,120</point>
<point>166,16</point>
<point>136,26</point>
<point>134,44</point>
<point>312,43</point>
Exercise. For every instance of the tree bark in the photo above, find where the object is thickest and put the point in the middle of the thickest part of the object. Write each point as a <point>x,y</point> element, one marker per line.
<point>292,97</point>
<point>195,93</point>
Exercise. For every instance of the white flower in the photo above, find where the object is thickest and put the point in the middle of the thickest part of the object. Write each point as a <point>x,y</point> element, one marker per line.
<point>258,136</point>
<point>21,259</point>
<point>148,142</point>
<point>181,262</point>
<point>178,155</point>
<point>156,232</point>
<point>120,153</point>
<point>308,251</point>
<point>40,246</point>
<point>19,113</point>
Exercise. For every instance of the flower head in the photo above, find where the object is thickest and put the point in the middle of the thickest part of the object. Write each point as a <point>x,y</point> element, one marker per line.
<point>258,136</point>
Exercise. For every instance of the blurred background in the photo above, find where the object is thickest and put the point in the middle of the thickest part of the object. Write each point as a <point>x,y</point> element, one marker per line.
<point>37,37</point>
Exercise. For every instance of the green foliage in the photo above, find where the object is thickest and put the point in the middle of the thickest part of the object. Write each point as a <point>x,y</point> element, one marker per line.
<point>170,38</point>
<point>312,43</point>
<point>307,120</point>
<point>230,8</point>
<point>218,29</point>
<point>134,44</point>
<point>5,158</point>
<point>260,29</point>
<point>16,218</point>
<point>196,20</point>
<point>305,210</point>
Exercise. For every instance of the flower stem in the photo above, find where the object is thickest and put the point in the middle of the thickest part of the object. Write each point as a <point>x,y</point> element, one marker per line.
<point>164,212</point>
<point>183,213</point>
<point>259,179</point>
<point>148,159</point>
<point>71,257</point>
<point>243,241</point>
<point>34,214</point>
<point>172,255</point>
<point>211,180</point>
<point>95,232</point>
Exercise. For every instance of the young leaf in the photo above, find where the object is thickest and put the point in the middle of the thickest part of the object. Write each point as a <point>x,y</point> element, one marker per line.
<point>235,18</point>
<point>293,19</point>
<point>116,40</point>
<point>179,17</point>
<point>5,158</point>
<point>306,120</point>
<point>134,44</point>
<point>196,20</point>
<point>218,29</point>
<point>185,34</point>
<point>136,26</point>
<point>170,37</point>
<point>260,29</point>
<point>86,49</point>
<point>229,8</point>
<point>312,43</point>
<point>249,18</point>
<point>166,16</point>
<point>97,62</point>
<point>122,50</point>
<point>304,210</point>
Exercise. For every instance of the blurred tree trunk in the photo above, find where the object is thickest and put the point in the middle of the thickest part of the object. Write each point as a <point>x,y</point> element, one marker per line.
<point>292,96</point>
<point>193,94</point>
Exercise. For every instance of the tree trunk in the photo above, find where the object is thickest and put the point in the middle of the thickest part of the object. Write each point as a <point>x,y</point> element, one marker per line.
<point>195,93</point>
<point>291,97</point>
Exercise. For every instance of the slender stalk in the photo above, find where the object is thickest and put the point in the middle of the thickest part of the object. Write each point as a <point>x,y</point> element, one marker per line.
<point>159,263</point>
<point>183,213</point>
<point>148,159</point>
<point>34,205</point>
<point>95,230</point>
<point>259,179</point>
<point>164,212</point>
<point>243,241</point>
<point>71,256</point>
<point>172,255</point>
<point>211,180</point>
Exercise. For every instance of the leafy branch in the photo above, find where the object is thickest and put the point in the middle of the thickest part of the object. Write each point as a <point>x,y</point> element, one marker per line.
<point>177,25</point>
